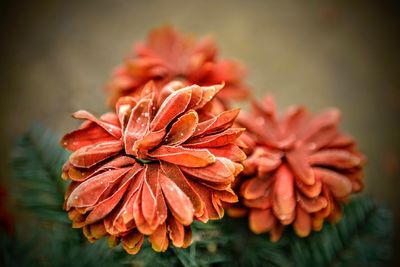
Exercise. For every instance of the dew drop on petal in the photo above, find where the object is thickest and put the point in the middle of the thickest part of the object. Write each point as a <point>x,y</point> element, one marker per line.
<point>312,146</point>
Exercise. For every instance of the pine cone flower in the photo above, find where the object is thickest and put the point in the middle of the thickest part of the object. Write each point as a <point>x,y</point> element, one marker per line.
<point>298,171</point>
<point>151,169</point>
<point>169,55</point>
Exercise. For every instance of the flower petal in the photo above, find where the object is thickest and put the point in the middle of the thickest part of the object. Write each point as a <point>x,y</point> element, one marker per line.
<point>88,156</point>
<point>218,123</point>
<point>176,232</point>
<point>91,134</point>
<point>302,223</point>
<point>184,156</point>
<point>337,158</point>
<point>149,194</point>
<point>255,187</point>
<point>174,105</point>
<point>218,172</point>
<point>132,242</point>
<point>182,129</point>
<point>110,128</point>
<point>338,184</point>
<point>178,202</point>
<point>312,205</point>
<point>159,240</point>
<point>138,124</point>
<point>284,199</point>
<point>175,174</point>
<point>88,193</point>
<point>300,166</point>
<point>230,151</point>
<point>219,139</point>
<point>124,108</point>
<point>107,205</point>
<point>261,220</point>
<point>327,119</point>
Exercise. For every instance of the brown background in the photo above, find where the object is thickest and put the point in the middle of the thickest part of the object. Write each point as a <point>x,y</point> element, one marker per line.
<point>56,57</point>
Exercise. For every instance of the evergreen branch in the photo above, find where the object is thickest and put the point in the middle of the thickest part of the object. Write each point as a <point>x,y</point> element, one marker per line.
<point>352,242</point>
<point>37,160</point>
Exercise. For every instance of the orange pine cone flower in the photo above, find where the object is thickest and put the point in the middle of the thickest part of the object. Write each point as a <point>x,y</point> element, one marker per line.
<point>151,169</point>
<point>298,171</point>
<point>169,55</point>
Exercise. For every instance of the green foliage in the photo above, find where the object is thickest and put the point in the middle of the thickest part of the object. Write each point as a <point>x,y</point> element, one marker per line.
<point>44,236</point>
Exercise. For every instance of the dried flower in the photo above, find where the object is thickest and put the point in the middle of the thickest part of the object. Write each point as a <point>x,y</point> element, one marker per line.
<point>152,167</point>
<point>300,168</point>
<point>169,55</point>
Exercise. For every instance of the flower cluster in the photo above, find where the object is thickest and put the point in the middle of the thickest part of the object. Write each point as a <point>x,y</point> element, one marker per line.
<point>152,167</point>
<point>299,169</point>
<point>172,152</point>
<point>169,55</point>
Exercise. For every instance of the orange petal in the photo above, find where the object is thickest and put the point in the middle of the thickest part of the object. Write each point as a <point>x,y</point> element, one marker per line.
<point>338,184</point>
<point>107,205</point>
<point>337,158</point>
<point>284,199</point>
<point>302,223</point>
<point>159,239</point>
<point>219,123</point>
<point>80,175</point>
<point>89,135</point>
<point>88,156</point>
<point>149,194</point>
<point>182,129</point>
<point>176,232</point>
<point>175,174</point>
<point>230,151</point>
<point>208,93</point>
<point>336,214</point>
<point>124,108</point>
<point>88,193</point>
<point>341,141</point>
<point>205,194</point>
<point>293,119</point>
<point>218,172</point>
<point>138,124</point>
<point>263,202</point>
<point>132,242</point>
<point>187,240</point>
<point>255,187</point>
<point>174,105</point>
<point>276,232</point>
<point>314,204</point>
<point>215,140</point>
<point>184,156</point>
<point>300,167</point>
<point>149,141</point>
<point>324,120</point>
<point>227,196</point>
<point>310,190</point>
<point>178,202</point>
<point>261,221</point>
<point>110,128</point>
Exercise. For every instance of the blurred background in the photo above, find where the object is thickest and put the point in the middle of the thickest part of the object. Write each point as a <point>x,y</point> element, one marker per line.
<point>56,57</point>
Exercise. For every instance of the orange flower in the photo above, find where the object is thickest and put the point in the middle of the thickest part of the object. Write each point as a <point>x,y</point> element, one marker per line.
<point>168,55</point>
<point>300,167</point>
<point>151,169</point>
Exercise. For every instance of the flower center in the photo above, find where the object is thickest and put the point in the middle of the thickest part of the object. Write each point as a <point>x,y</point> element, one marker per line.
<point>144,161</point>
